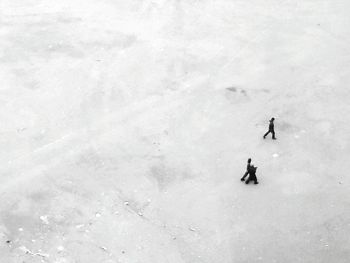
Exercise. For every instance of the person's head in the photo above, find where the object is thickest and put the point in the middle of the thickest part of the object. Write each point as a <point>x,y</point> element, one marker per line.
<point>272,119</point>
<point>249,160</point>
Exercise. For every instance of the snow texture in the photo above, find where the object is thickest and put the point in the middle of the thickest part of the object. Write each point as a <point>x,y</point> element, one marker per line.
<point>125,127</point>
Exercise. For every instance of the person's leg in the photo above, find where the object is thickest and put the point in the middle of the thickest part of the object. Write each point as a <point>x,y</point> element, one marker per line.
<point>244,176</point>
<point>266,134</point>
<point>273,135</point>
<point>247,182</point>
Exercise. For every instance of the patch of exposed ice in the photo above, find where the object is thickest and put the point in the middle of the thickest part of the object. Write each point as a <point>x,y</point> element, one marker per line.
<point>44,219</point>
<point>60,248</point>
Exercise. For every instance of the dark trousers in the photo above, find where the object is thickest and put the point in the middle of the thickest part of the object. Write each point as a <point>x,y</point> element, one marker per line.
<point>252,178</point>
<point>273,134</point>
<point>245,175</point>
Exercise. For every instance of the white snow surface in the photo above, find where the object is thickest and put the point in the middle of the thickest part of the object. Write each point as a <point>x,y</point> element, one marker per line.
<point>125,127</point>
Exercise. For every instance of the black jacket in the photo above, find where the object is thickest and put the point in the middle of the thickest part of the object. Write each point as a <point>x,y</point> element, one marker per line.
<point>248,167</point>
<point>252,170</point>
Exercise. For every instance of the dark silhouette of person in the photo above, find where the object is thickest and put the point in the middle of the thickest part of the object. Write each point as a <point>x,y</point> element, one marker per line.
<point>252,175</point>
<point>271,129</point>
<point>247,172</point>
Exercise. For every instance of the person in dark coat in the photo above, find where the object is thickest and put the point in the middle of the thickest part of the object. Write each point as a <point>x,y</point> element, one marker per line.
<point>247,172</point>
<point>271,129</point>
<point>252,175</point>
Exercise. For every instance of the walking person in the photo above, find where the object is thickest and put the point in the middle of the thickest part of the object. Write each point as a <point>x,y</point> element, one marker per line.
<point>271,129</point>
<point>252,175</point>
<point>247,172</point>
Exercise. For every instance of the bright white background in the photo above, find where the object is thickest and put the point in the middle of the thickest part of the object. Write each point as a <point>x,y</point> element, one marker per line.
<point>125,127</point>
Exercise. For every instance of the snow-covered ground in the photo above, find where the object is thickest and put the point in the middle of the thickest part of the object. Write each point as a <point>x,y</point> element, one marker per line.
<point>125,127</point>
